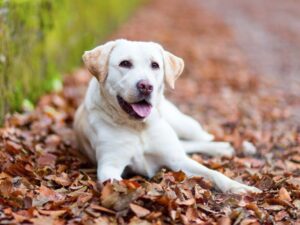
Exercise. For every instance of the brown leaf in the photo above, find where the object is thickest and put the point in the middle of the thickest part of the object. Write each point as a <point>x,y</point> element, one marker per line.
<point>84,197</point>
<point>186,202</point>
<point>272,207</point>
<point>102,209</point>
<point>43,220</point>
<point>295,181</point>
<point>12,147</point>
<point>46,195</point>
<point>19,218</point>
<point>79,191</point>
<point>63,180</point>
<point>266,182</point>
<point>191,214</point>
<point>108,196</point>
<point>278,201</point>
<point>6,187</point>
<point>164,200</point>
<point>125,199</point>
<point>19,168</point>
<point>179,176</point>
<point>154,215</point>
<point>131,184</point>
<point>257,211</point>
<point>47,159</point>
<point>225,220</point>
<point>137,221</point>
<point>281,215</point>
<point>139,210</point>
<point>296,158</point>
<point>284,195</point>
<point>296,203</point>
<point>52,213</point>
<point>249,221</point>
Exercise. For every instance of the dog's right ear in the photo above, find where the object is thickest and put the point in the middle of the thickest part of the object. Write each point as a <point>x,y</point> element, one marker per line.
<point>96,60</point>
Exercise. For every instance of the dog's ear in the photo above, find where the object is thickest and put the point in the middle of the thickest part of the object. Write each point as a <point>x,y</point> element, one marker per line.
<point>173,66</point>
<point>96,60</point>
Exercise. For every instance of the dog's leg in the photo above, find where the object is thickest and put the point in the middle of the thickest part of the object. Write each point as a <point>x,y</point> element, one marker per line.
<point>194,138</point>
<point>208,148</point>
<point>116,151</point>
<point>111,166</point>
<point>114,147</point>
<point>168,151</point>
<point>225,184</point>
<point>185,126</point>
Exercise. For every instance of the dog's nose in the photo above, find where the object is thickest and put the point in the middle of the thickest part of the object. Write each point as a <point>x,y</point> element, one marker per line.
<point>144,87</point>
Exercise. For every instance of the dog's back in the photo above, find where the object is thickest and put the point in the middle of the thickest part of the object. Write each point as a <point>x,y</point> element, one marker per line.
<point>80,123</point>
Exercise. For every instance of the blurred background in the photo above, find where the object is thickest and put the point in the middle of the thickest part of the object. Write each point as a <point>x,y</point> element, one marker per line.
<point>268,32</point>
<point>41,40</point>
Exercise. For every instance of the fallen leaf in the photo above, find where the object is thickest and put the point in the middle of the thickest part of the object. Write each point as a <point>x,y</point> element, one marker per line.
<point>52,213</point>
<point>224,220</point>
<point>281,215</point>
<point>108,196</point>
<point>186,202</point>
<point>139,210</point>
<point>62,179</point>
<point>249,221</point>
<point>137,221</point>
<point>47,159</point>
<point>6,187</point>
<point>102,209</point>
<point>257,211</point>
<point>284,195</point>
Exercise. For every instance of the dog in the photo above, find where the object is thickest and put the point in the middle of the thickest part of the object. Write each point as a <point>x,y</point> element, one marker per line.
<point>126,121</point>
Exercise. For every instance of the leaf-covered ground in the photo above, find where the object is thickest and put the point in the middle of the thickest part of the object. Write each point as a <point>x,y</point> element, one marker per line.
<point>44,180</point>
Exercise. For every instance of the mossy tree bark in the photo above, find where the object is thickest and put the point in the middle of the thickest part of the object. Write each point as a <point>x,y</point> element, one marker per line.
<point>40,40</point>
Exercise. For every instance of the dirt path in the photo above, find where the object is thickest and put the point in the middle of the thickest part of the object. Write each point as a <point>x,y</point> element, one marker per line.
<point>268,32</point>
<point>43,180</point>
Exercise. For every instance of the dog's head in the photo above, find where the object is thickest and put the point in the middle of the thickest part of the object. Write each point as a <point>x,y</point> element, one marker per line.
<point>132,74</point>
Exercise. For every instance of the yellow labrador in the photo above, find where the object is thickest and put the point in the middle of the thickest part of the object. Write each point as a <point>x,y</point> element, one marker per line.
<point>125,120</point>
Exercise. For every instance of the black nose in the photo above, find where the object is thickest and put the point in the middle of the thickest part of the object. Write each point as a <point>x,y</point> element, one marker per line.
<point>144,87</point>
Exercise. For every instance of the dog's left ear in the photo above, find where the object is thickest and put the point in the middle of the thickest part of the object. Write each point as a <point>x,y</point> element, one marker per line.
<point>173,66</point>
<point>96,60</point>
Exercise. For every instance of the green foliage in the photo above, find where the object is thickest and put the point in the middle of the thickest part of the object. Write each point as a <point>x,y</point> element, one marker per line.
<point>41,39</point>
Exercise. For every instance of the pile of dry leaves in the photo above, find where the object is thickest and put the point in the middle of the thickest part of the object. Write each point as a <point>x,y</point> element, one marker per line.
<point>43,180</point>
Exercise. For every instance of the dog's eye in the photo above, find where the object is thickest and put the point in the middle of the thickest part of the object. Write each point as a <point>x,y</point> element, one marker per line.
<point>154,65</point>
<point>125,64</point>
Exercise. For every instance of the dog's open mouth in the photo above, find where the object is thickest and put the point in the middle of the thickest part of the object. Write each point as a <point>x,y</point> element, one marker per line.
<point>138,110</point>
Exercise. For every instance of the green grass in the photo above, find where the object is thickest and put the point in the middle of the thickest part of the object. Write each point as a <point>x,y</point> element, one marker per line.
<point>42,39</point>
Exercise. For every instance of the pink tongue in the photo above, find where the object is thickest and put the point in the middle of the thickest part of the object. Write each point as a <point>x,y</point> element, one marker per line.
<point>143,110</point>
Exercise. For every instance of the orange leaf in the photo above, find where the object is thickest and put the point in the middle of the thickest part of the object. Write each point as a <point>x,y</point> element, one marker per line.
<point>139,210</point>
<point>284,195</point>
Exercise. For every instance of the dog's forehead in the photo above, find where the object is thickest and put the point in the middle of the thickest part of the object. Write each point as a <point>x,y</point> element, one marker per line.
<point>135,49</point>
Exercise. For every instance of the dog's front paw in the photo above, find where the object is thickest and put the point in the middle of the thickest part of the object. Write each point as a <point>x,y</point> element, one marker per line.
<point>108,175</point>
<point>238,188</point>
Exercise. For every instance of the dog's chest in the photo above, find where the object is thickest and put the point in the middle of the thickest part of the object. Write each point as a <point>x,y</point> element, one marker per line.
<point>140,161</point>
<point>147,143</point>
